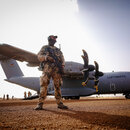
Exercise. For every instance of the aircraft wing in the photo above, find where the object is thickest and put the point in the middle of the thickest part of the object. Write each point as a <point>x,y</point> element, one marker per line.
<point>8,51</point>
<point>11,52</point>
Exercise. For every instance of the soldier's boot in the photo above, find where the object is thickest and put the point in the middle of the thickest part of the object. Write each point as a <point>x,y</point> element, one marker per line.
<point>39,106</point>
<point>62,106</point>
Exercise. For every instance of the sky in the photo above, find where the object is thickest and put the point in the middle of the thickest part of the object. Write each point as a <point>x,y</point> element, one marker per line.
<point>101,27</point>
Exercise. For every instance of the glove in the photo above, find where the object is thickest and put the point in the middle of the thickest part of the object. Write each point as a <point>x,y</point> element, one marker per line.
<point>48,58</point>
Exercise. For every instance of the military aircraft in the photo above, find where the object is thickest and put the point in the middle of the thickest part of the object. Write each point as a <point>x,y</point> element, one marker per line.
<point>78,80</point>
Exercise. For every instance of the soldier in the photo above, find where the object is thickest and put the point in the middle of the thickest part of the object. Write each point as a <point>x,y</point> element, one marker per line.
<point>4,97</point>
<point>25,95</point>
<point>53,63</point>
<point>7,96</point>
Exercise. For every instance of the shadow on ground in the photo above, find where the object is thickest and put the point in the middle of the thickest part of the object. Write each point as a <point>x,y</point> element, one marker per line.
<point>97,118</point>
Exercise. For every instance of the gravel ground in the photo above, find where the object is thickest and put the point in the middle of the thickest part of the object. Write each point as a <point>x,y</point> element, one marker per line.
<point>82,114</point>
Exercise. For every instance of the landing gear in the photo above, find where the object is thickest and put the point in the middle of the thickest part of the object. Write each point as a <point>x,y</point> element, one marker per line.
<point>127,96</point>
<point>76,97</point>
<point>72,97</point>
<point>66,98</point>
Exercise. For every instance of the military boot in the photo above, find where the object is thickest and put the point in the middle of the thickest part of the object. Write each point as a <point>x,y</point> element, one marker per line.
<point>62,106</point>
<point>39,106</point>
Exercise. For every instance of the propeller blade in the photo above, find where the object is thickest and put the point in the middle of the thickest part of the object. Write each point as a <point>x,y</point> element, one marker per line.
<point>85,53</point>
<point>85,58</point>
<point>86,76</point>
<point>97,72</point>
<point>96,66</point>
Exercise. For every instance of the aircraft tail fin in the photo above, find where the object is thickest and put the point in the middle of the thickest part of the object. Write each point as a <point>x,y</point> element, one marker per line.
<point>11,68</point>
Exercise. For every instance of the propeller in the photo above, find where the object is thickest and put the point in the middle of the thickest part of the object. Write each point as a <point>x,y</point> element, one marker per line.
<point>88,68</point>
<point>97,75</point>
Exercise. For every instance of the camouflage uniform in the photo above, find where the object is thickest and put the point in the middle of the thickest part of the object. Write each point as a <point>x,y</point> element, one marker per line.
<point>50,70</point>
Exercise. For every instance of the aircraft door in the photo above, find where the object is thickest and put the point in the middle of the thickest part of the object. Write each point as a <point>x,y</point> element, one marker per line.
<point>112,87</point>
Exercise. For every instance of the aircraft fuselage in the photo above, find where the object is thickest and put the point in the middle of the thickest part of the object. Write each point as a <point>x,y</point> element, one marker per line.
<point>109,83</point>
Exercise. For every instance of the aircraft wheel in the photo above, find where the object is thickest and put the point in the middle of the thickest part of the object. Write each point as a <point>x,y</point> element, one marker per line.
<point>76,97</point>
<point>73,97</point>
<point>66,98</point>
<point>127,96</point>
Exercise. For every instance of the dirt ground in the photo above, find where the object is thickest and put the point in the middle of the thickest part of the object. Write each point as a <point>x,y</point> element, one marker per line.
<point>86,113</point>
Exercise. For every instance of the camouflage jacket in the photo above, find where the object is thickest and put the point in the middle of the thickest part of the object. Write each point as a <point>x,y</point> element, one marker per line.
<point>52,50</point>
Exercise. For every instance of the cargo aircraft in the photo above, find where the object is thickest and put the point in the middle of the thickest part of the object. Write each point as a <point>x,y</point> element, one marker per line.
<point>78,80</point>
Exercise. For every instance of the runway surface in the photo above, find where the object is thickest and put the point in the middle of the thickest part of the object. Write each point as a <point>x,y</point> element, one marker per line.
<point>87,113</point>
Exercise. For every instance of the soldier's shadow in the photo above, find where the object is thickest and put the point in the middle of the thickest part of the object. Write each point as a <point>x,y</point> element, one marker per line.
<point>97,118</point>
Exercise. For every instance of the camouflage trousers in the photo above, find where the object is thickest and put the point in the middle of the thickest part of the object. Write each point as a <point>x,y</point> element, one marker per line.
<point>48,73</point>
